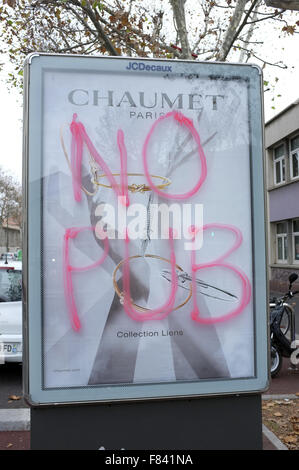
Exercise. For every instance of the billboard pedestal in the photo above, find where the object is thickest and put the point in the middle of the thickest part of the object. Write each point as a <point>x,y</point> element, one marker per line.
<point>227,422</point>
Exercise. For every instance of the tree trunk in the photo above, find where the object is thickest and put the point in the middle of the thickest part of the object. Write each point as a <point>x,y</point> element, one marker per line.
<point>231,30</point>
<point>178,7</point>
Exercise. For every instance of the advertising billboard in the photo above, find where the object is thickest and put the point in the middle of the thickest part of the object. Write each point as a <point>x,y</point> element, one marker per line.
<point>145,269</point>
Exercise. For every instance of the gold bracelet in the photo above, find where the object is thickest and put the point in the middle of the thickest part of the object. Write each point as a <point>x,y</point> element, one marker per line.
<point>133,188</point>
<point>138,307</point>
<point>136,188</point>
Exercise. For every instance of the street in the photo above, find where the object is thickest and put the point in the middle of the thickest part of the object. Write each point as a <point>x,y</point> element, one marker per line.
<point>11,386</point>
<point>287,381</point>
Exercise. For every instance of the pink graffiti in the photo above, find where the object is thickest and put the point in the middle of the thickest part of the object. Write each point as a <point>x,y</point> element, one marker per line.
<point>166,308</point>
<point>184,121</point>
<point>219,262</point>
<point>68,269</point>
<point>79,136</point>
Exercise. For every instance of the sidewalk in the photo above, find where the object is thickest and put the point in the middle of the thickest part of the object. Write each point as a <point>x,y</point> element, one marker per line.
<point>15,440</point>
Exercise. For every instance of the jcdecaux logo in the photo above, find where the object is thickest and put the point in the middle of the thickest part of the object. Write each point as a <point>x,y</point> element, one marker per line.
<point>148,68</point>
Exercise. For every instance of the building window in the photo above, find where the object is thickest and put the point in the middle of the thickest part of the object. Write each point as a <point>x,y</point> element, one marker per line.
<point>279,164</point>
<point>294,158</point>
<point>295,236</point>
<point>281,242</point>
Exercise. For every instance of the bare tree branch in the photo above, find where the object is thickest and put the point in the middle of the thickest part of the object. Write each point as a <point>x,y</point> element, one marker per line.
<point>234,29</point>
<point>265,62</point>
<point>86,8</point>
<point>266,18</point>
<point>250,31</point>
<point>136,28</point>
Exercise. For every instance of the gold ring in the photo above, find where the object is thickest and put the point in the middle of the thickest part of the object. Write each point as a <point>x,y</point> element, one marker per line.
<point>138,307</point>
<point>136,188</point>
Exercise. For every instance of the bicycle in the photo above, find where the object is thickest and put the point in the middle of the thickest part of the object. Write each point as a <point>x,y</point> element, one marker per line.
<point>282,323</point>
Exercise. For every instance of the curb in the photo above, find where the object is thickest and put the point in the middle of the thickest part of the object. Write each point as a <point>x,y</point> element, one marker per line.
<point>269,434</point>
<point>280,397</point>
<point>274,439</point>
<point>15,420</point>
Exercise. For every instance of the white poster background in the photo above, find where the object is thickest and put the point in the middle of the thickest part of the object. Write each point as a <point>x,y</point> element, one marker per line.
<point>95,355</point>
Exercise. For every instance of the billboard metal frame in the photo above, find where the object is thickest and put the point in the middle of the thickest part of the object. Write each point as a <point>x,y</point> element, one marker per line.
<point>35,393</point>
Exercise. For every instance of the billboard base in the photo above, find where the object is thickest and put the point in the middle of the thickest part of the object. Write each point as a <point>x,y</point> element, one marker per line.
<point>214,423</point>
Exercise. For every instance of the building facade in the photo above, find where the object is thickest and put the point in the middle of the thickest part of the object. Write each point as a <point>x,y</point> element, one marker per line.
<point>10,236</point>
<point>282,180</point>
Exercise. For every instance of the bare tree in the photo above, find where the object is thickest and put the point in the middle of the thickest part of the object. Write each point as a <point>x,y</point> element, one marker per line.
<point>186,29</point>
<point>10,199</point>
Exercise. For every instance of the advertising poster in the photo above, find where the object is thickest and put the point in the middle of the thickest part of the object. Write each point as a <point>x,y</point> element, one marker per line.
<point>146,229</point>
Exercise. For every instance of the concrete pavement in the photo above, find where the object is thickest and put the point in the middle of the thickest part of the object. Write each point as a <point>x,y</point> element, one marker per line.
<point>17,419</point>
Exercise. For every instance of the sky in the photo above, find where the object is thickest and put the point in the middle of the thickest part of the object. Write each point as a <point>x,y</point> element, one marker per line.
<point>287,87</point>
<point>286,91</point>
<point>11,128</point>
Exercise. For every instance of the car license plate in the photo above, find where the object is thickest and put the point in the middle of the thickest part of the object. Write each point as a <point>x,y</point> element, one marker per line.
<point>8,348</point>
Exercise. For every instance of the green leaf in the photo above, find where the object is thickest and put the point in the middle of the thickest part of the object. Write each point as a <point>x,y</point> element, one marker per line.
<point>97,4</point>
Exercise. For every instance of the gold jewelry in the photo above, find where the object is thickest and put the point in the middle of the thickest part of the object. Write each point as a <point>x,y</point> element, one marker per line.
<point>133,188</point>
<point>136,188</point>
<point>138,307</point>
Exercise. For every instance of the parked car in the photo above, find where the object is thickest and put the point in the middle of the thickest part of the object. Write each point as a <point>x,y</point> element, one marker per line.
<point>8,256</point>
<point>11,343</point>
